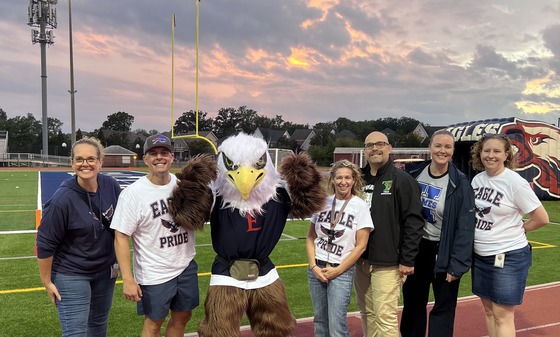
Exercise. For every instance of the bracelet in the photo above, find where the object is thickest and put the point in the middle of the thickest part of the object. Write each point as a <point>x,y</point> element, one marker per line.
<point>313,267</point>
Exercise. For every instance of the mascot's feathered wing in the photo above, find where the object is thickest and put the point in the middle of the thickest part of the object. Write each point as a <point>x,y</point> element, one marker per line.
<point>251,206</point>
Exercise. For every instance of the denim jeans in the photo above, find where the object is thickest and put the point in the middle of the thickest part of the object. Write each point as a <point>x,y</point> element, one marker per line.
<point>85,303</point>
<point>330,303</point>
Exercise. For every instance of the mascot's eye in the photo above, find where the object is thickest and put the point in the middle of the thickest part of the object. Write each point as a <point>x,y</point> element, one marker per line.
<point>229,164</point>
<point>261,163</point>
<point>538,139</point>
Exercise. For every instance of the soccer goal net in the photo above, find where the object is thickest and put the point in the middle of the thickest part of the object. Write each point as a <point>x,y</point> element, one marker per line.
<point>278,154</point>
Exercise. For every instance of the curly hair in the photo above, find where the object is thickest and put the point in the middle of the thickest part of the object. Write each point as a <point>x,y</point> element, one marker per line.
<point>476,150</point>
<point>93,142</point>
<point>359,182</point>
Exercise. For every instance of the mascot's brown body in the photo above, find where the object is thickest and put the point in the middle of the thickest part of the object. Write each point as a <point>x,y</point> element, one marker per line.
<point>250,207</point>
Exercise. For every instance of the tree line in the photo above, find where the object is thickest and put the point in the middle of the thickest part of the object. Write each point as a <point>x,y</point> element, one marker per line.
<point>25,132</point>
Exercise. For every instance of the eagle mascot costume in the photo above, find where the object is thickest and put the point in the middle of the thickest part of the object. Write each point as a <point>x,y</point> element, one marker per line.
<point>247,202</point>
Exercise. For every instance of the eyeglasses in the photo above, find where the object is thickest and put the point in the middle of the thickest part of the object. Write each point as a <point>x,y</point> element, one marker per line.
<point>81,161</point>
<point>378,145</point>
<point>495,135</point>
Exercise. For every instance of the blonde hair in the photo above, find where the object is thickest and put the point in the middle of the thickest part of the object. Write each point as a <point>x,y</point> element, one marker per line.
<point>476,150</point>
<point>93,142</point>
<point>357,188</point>
<point>442,132</point>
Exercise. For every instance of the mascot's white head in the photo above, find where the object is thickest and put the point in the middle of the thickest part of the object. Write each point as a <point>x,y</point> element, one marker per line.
<point>247,178</point>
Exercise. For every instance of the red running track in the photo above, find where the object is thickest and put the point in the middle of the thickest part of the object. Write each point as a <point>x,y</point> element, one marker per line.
<point>539,315</point>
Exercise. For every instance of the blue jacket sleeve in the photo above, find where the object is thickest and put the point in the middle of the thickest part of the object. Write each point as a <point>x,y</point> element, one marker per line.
<point>462,246</point>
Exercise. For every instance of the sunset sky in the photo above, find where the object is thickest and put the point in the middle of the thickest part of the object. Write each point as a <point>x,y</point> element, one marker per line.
<point>441,62</point>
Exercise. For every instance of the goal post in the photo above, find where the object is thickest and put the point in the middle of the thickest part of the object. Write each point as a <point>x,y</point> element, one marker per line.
<point>278,154</point>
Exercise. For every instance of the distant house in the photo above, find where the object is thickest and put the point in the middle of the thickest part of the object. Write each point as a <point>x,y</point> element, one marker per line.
<point>303,138</point>
<point>271,136</point>
<point>181,143</point>
<point>388,132</point>
<point>118,156</point>
<point>345,134</point>
<point>425,132</point>
<point>180,146</point>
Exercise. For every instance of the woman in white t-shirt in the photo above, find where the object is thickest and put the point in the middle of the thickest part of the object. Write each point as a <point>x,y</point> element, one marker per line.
<point>337,237</point>
<point>502,253</point>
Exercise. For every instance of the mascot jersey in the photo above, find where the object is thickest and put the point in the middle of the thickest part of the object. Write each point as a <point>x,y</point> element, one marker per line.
<point>162,249</point>
<point>248,237</point>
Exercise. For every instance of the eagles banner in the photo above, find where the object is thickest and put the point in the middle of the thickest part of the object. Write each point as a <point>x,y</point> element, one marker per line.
<point>537,145</point>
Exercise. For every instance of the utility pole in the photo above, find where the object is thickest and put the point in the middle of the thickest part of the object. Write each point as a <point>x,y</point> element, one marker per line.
<point>42,14</point>
<point>71,91</point>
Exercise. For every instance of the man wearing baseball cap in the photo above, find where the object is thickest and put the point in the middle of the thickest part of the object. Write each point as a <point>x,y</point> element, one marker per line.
<point>164,268</point>
<point>158,141</point>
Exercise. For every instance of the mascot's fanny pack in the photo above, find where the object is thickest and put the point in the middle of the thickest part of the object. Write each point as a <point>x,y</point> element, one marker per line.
<point>244,269</point>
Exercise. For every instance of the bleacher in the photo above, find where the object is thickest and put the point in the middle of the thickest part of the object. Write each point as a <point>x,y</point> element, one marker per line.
<point>28,159</point>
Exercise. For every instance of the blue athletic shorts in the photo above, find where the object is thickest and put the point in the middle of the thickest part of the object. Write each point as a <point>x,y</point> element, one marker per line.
<point>506,285</point>
<point>179,294</point>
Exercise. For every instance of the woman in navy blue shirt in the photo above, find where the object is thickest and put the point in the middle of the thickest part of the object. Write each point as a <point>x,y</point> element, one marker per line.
<point>75,247</point>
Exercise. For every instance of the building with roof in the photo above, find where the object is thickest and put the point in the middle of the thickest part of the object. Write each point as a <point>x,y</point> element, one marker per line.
<point>118,156</point>
<point>271,136</point>
<point>303,138</point>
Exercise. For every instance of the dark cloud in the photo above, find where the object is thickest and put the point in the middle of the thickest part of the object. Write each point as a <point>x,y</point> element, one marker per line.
<point>551,37</point>
<point>271,25</point>
<point>360,21</point>
<point>486,59</point>
<point>421,57</point>
<point>433,60</point>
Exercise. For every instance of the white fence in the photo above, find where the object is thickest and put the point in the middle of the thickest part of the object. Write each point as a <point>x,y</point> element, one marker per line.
<point>33,160</point>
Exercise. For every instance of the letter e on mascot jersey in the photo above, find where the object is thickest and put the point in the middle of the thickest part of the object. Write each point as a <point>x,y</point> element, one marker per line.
<point>248,202</point>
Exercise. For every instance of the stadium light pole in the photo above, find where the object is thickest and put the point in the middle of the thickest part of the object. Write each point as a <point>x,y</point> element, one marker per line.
<point>42,14</point>
<point>71,91</point>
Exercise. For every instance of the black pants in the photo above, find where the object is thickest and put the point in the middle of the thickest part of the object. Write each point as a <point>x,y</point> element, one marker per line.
<point>416,291</point>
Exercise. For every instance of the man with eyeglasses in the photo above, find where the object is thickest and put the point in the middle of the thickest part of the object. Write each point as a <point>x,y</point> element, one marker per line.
<point>396,209</point>
<point>165,273</point>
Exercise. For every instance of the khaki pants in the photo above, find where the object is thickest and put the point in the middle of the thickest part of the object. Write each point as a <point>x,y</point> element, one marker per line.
<point>378,290</point>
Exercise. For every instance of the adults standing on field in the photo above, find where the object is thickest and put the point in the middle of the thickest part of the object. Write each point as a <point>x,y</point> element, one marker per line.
<point>446,247</point>
<point>503,255</point>
<point>395,206</point>
<point>75,249</point>
<point>337,237</point>
<point>165,273</point>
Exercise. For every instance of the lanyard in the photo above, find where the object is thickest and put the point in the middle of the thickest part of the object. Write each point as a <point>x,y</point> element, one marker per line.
<point>334,222</point>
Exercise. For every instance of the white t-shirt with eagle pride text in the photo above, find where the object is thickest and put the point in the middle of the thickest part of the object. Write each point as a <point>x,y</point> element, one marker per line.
<point>162,249</point>
<point>501,201</point>
<point>355,216</point>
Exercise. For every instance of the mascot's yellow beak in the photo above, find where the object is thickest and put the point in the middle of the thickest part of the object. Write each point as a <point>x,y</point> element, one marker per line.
<point>245,179</point>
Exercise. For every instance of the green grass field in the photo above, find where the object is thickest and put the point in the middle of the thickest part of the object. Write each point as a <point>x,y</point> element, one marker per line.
<point>25,309</point>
